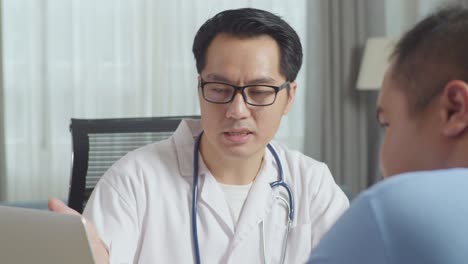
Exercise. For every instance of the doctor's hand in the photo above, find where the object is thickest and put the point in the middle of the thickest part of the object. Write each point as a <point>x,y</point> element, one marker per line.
<point>101,254</point>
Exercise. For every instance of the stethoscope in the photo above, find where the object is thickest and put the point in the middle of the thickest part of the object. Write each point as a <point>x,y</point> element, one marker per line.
<point>279,183</point>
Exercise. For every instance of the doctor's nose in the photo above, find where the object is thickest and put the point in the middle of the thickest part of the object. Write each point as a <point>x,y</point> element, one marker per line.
<point>238,108</point>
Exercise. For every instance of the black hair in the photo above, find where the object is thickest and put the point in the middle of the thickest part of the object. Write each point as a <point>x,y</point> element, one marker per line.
<point>432,53</point>
<point>250,22</point>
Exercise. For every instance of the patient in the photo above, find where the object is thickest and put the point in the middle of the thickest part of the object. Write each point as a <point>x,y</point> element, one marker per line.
<point>420,216</point>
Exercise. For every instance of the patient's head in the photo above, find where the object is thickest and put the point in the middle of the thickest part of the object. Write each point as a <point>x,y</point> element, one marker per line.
<point>423,104</point>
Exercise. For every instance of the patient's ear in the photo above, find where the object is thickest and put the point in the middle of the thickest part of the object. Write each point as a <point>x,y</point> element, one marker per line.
<point>455,108</point>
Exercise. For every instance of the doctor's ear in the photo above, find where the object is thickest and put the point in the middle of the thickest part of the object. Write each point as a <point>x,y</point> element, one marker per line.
<point>291,97</point>
<point>199,79</point>
<point>455,108</point>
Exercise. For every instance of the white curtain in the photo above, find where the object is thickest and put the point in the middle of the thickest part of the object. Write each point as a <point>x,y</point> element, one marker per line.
<point>2,123</point>
<point>103,59</point>
<point>114,58</point>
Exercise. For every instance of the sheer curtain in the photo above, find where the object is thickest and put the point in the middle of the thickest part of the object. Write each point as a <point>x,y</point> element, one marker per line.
<point>103,59</point>
<point>114,58</point>
<point>339,129</point>
<point>2,123</point>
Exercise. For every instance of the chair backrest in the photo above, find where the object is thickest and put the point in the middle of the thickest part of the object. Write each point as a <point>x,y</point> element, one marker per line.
<point>98,143</point>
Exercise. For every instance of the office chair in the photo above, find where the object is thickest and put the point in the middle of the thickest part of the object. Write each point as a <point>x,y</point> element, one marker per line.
<point>98,143</point>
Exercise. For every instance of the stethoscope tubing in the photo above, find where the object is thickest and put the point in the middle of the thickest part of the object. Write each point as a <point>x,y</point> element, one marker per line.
<point>196,248</point>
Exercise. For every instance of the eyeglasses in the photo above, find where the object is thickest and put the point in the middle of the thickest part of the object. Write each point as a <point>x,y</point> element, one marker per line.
<point>257,95</point>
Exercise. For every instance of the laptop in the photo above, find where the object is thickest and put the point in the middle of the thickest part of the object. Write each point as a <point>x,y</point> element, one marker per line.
<point>39,236</point>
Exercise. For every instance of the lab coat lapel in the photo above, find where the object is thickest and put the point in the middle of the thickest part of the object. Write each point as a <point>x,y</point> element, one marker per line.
<point>259,202</point>
<point>184,141</point>
<point>212,196</point>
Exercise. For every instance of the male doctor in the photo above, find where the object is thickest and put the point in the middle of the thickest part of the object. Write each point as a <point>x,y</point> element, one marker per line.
<point>247,61</point>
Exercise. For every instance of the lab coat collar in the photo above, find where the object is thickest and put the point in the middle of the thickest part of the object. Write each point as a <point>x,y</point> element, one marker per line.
<point>184,138</point>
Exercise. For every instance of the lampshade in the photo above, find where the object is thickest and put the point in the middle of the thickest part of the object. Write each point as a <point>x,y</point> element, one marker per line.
<point>375,62</point>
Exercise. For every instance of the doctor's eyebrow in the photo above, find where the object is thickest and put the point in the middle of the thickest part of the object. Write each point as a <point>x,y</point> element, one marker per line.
<point>262,80</point>
<point>212,77</point>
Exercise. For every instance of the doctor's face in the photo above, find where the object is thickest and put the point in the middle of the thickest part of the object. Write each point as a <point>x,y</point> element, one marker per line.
<point>237,129</point>
<point>410,141</point>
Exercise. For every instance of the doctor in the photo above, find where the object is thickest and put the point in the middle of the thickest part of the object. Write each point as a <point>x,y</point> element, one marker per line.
<point>143,206</point>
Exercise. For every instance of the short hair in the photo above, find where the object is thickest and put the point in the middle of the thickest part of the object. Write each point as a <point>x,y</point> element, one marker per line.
<point>431,54</point>
<point>250,22</point>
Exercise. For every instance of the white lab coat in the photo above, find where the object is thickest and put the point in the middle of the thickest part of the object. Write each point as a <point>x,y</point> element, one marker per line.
<point>142,207</point>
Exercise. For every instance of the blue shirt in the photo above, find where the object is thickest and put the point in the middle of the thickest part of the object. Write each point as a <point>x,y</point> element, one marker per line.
<point>412,218</point>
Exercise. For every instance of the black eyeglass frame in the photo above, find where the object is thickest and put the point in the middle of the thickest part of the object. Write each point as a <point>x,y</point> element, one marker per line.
<point>241,89</point>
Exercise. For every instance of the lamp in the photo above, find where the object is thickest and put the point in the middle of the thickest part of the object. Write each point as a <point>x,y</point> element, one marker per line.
<point>375,62</point>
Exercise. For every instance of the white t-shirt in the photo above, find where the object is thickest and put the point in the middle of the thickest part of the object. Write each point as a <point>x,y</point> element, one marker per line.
<point>235,198</point>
